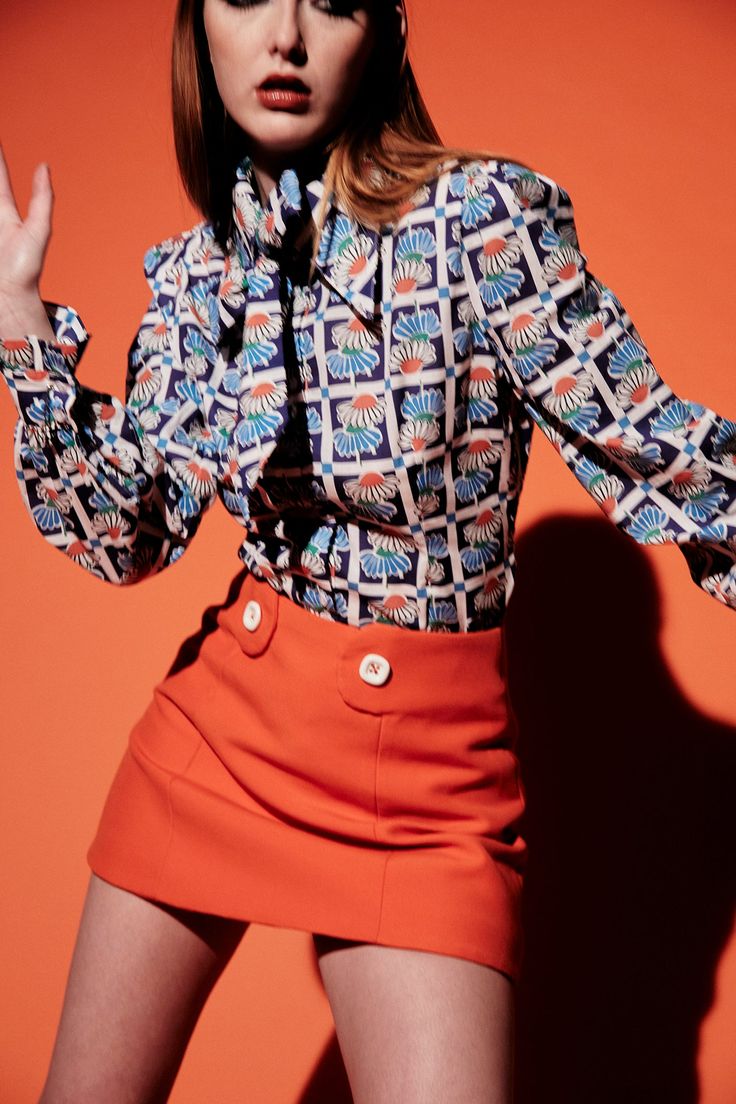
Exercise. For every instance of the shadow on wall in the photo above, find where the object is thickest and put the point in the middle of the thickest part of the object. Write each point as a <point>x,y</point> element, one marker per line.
<point>631,825</point>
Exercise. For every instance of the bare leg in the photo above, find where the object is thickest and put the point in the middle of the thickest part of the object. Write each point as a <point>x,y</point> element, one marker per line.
<point>419,1027</point>
<point>139,977</point>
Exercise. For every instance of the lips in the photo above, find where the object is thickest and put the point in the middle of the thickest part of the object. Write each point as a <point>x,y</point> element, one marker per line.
<point>284,81</point>
<point>284,92</point>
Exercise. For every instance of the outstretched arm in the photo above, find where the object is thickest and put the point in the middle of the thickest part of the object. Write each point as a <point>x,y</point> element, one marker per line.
<point>662,468</point>
<point>119,487</point>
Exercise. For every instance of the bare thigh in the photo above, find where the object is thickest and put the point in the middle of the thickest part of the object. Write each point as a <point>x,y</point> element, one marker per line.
<point>139,977</point>
<point>419,1027</point>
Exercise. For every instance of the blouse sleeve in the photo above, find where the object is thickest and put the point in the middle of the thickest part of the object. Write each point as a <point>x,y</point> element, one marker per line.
<point>119,487</point>
<point>662,467</point>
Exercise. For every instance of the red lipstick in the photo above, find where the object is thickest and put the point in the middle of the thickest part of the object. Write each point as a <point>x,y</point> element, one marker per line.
<point>282,92</point>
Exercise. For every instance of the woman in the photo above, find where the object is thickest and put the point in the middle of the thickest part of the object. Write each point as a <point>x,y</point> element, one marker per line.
<point>350,350</point>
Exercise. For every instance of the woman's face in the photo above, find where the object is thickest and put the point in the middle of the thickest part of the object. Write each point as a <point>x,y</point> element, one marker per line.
<point>287,70</point>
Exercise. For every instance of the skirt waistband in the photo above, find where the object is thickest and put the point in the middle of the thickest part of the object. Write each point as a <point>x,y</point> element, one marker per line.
<point>378,668</point>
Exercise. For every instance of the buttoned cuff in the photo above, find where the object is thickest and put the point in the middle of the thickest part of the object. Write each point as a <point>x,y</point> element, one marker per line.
<point>33,358</point>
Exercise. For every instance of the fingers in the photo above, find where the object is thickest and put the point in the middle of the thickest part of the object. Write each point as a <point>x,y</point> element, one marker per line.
<point>38,222</point>
<point>40,206</point>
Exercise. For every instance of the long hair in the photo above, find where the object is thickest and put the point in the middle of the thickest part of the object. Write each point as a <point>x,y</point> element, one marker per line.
<point>388,148</point>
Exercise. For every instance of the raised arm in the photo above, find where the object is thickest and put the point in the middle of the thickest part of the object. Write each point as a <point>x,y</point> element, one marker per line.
<point>661,467</point>
<point>119,487</point>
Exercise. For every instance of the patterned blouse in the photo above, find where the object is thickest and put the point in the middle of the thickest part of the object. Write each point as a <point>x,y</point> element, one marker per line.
<point>369,427</point>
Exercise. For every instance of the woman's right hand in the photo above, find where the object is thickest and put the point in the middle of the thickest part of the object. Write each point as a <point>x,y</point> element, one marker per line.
<point>23,246</point>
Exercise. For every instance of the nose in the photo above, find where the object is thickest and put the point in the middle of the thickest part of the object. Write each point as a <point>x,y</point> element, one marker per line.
<point>287,37</point>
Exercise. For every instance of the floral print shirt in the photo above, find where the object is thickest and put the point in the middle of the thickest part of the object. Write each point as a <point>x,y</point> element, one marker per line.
<point>369,424</point>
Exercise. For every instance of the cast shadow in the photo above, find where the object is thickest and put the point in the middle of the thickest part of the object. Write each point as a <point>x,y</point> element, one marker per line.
<point>188,650</point>
<point>631,877</point>
<point>329,1083</point>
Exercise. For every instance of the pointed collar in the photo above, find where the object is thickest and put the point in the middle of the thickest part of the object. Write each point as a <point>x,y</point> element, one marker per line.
<point>348,254</point>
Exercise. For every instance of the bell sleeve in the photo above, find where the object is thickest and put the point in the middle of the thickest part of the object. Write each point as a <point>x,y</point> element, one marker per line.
<point>120,488</point>
<point>661,467</point>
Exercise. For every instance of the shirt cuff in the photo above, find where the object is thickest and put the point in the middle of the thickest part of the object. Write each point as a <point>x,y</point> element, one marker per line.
<point>36,359</point>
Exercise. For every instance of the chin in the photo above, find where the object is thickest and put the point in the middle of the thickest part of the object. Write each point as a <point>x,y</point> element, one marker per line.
<point>286,146</point>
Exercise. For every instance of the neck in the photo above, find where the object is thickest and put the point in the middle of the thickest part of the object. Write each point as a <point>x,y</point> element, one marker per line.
<point>268,167</point>
<point>266,178</point>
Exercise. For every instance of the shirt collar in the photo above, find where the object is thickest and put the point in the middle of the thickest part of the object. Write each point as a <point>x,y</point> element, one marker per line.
<point>348,253</point>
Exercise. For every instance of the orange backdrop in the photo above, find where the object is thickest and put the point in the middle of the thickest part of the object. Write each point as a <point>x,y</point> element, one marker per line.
<point>623,670</point>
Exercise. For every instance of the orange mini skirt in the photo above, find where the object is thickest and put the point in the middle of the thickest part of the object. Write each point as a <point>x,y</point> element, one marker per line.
<point>305,773</point>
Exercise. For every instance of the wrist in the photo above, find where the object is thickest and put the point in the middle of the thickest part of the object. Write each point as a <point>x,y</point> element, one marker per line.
<point>23,314</point>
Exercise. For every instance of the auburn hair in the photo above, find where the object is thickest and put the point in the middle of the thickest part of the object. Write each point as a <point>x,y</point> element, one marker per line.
<point>387,148</point>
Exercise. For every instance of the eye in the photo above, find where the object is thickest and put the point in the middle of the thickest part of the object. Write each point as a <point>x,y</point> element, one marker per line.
<point>338,9</point>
